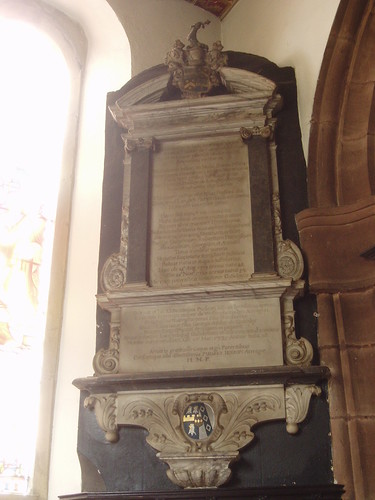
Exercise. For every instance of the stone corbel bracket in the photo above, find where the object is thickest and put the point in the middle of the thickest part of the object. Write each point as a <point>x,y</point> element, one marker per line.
<point>199,433</point>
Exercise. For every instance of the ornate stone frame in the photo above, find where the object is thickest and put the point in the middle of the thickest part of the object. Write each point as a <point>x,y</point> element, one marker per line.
<point>157,401</point>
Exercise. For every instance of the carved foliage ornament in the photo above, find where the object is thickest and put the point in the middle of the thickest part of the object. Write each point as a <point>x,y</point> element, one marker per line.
<point>297,400</point>
<point>105,406</point>
<point>194,68</point>
<point>199,434</point>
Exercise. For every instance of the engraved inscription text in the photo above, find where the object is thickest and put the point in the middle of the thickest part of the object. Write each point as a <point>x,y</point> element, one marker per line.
<point>201,218</point>
<point>190,336</point>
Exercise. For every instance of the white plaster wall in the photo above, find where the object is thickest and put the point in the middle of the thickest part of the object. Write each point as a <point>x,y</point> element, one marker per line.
<point>153,26</point>
<point>289,33</point>
<point>107,68</point>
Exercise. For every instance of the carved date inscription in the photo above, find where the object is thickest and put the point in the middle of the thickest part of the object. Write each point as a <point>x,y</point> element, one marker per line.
<point>201,219</point>
<point>191,336</point>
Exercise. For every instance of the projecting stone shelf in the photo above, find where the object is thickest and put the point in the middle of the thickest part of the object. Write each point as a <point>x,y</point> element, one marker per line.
<point>285,375</point>
<point>198,422</point>
<point>309,492</point>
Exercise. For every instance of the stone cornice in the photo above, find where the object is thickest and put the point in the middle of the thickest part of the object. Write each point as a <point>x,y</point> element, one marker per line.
<point>212,378</point>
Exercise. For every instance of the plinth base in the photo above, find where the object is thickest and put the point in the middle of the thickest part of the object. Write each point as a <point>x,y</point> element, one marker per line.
<point>324,492</point>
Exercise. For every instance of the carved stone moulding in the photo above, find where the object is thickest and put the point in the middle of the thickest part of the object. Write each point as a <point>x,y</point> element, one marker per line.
<point>334,240</point>
<point>308,492</point>
<point>113,275</point>
<point>196,471</point>
<point>252,100</point>
<point>297,351</point>
<point>199,432</point>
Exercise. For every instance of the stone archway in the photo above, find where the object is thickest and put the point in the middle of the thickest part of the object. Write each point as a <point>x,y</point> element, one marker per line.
<point>335,232</point>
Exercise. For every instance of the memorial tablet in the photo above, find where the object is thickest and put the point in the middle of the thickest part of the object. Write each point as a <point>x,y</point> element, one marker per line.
<point>195,336</point>
<point>201,216</point>
<point>203,278</point>
<point>201,288</point>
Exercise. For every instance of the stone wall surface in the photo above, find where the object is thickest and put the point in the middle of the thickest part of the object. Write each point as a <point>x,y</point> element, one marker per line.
<point>339,255</point>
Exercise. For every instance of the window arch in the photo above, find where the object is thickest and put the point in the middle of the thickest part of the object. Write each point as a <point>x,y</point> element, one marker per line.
<point>52,24</point>
<point>99,61</point>
<point>29,182</point>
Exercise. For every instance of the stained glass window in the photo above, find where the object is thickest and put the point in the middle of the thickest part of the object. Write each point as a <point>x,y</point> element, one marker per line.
<point>34,93</point>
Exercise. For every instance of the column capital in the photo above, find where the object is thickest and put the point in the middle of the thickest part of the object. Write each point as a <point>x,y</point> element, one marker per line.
<point>265,132</point>
<point>139,144</point>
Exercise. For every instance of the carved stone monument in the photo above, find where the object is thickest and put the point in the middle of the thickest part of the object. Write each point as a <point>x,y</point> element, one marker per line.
<point>201,290</point>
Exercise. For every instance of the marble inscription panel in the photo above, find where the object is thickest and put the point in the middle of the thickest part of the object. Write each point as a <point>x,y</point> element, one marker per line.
<point>234,333</point>
<point>201,218</point>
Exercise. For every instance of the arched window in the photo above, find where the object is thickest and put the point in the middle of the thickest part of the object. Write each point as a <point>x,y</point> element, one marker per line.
<point>42,55</point>
<point>34,102</point>
<point>102,54</point>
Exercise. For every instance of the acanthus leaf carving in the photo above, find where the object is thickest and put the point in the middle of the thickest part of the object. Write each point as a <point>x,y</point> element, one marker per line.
<point>158,418</point>
<point>202,461</point>
<point>199,471</point>
<point>242,416</point>
<point>297,401</point>
<point>105,406</point>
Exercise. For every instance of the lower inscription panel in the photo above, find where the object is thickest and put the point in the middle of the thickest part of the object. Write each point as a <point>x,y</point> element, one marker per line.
<point>195,336</point>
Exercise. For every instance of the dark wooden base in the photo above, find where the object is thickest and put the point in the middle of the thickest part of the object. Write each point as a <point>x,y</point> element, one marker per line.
<point>325,492</point>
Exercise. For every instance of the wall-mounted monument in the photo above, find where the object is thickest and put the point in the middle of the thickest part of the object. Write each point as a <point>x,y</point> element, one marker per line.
<point>201,290</point>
